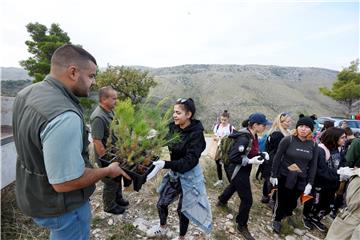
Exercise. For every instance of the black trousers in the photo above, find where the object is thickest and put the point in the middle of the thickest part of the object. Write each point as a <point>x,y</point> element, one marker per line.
<point>172,190</point>
<point>219,169</point>
<point>286,200</point>
<point>241,185</point>
<point>319,206</point>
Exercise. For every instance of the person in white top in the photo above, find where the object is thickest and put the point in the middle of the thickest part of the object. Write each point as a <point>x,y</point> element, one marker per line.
<point>222,129</point>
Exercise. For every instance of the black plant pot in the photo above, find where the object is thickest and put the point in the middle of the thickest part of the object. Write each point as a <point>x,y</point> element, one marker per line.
<point>106,160</point>
<point>137,178</point>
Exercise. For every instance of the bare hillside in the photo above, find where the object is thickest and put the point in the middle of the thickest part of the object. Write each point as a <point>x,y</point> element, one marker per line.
<point>243,89</point>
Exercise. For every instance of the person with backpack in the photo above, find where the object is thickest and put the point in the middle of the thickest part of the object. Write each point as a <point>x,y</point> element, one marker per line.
<point>278,130</point>
<point>242,153</point>
<point>293,170</point>
<point>326,179</point>
<point>224,128</point>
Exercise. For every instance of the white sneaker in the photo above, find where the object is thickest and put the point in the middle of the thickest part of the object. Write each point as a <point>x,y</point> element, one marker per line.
<point>156,231</point>
<point>219,183</point>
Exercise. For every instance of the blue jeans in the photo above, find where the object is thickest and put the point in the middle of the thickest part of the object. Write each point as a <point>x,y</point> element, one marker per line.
<point>70,225</point>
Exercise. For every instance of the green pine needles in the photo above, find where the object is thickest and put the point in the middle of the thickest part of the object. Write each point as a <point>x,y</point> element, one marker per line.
<point>142,131</point>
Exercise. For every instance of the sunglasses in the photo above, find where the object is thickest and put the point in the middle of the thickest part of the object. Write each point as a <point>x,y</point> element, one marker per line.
<point>182,100</point>
<point>283,116</point>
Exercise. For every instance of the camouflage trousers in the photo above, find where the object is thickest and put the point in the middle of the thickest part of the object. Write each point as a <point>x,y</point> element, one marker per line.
<point>112,193</point>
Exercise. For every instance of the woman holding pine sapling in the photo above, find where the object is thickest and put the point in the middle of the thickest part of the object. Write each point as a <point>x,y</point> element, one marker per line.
<point>185,178</point>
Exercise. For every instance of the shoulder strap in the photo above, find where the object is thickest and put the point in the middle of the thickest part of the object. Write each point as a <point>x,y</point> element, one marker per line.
<point>217,127</point>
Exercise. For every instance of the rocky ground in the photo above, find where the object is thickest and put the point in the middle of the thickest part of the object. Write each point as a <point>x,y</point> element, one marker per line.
<point>142,215</point>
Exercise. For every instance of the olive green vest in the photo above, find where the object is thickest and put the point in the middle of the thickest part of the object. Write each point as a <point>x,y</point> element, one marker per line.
<point>34,107</point>
<point>106,118</point>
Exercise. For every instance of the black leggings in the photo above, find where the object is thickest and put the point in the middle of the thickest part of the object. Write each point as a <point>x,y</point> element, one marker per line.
<point>324,198</point>
<point>219,169</point>
<point>167,196</point>
<point>286,200</point>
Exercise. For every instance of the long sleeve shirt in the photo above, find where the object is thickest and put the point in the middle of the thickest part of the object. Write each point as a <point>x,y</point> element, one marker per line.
<point>292,150</point>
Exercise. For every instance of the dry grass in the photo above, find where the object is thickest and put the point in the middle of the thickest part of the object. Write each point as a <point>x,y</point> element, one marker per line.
<point>14,224</point>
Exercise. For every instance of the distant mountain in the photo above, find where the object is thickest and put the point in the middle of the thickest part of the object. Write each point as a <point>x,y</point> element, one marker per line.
<point>13,73</point>
<point>241,89</point>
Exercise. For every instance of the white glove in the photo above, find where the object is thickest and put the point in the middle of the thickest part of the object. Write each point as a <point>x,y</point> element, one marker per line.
<point>159,164</point>
<point>255,160</point>
<point>344,177</point>
<point>266,156</point>
<point>346,171</point>
<point>274,181</point>
<point>152,133</point>
<point>307,190</point>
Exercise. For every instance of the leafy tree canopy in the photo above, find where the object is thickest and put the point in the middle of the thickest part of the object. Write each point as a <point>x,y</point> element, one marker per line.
<point>43,44</point>
<point>346,89</point>
<point>128,82</point>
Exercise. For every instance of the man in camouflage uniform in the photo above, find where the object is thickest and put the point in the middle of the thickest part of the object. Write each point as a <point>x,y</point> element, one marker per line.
<point>100,121</point>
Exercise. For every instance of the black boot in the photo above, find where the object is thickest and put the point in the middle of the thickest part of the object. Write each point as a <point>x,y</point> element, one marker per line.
<point>116,209</point>
<point>244,231</point>
<point>122,202</point>
<point>276,226</point>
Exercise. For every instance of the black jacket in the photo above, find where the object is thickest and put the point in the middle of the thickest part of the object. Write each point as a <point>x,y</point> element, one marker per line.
<point>325,177</point>
<point>185,153</point>
<point>272,143</point>
<point>236,156</point>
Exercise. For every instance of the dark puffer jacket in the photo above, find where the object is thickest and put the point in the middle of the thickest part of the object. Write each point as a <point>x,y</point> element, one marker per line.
<point>325,177</point>
<point>185,153</point>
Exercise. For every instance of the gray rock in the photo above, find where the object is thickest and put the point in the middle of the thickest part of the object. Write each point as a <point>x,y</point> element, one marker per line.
<point>229,216</point>
<point>312,236</point>
<point>299,232</point>
<point>290,237</point>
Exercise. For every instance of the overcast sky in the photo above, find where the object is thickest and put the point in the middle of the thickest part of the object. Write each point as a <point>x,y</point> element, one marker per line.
<point>174,32</point>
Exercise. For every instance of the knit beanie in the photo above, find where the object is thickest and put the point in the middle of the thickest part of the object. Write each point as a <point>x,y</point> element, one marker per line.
<point>307,121</point>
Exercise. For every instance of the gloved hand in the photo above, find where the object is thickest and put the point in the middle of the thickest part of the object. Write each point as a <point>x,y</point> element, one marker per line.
<point>265,155</point>
<point>344,177</point>
<point>307,190</point>
<point>159,164</point>
<point>255,160</point>
<point>274,181</point>
<point>345,171</point>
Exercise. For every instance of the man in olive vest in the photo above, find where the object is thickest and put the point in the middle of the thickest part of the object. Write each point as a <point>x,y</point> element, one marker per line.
<point>100,121</point>
<point>54,178</point>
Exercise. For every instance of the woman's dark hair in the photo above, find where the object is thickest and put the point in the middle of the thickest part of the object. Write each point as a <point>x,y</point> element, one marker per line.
<point>327,124</point>
<point>188,105</point>
<point>331,137</point>
<point>246,123</point>
<point>225,114</point>
<point>348,131</point>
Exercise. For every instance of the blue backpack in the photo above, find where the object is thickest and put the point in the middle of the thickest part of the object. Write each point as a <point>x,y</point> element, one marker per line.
<point>262,142</point>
